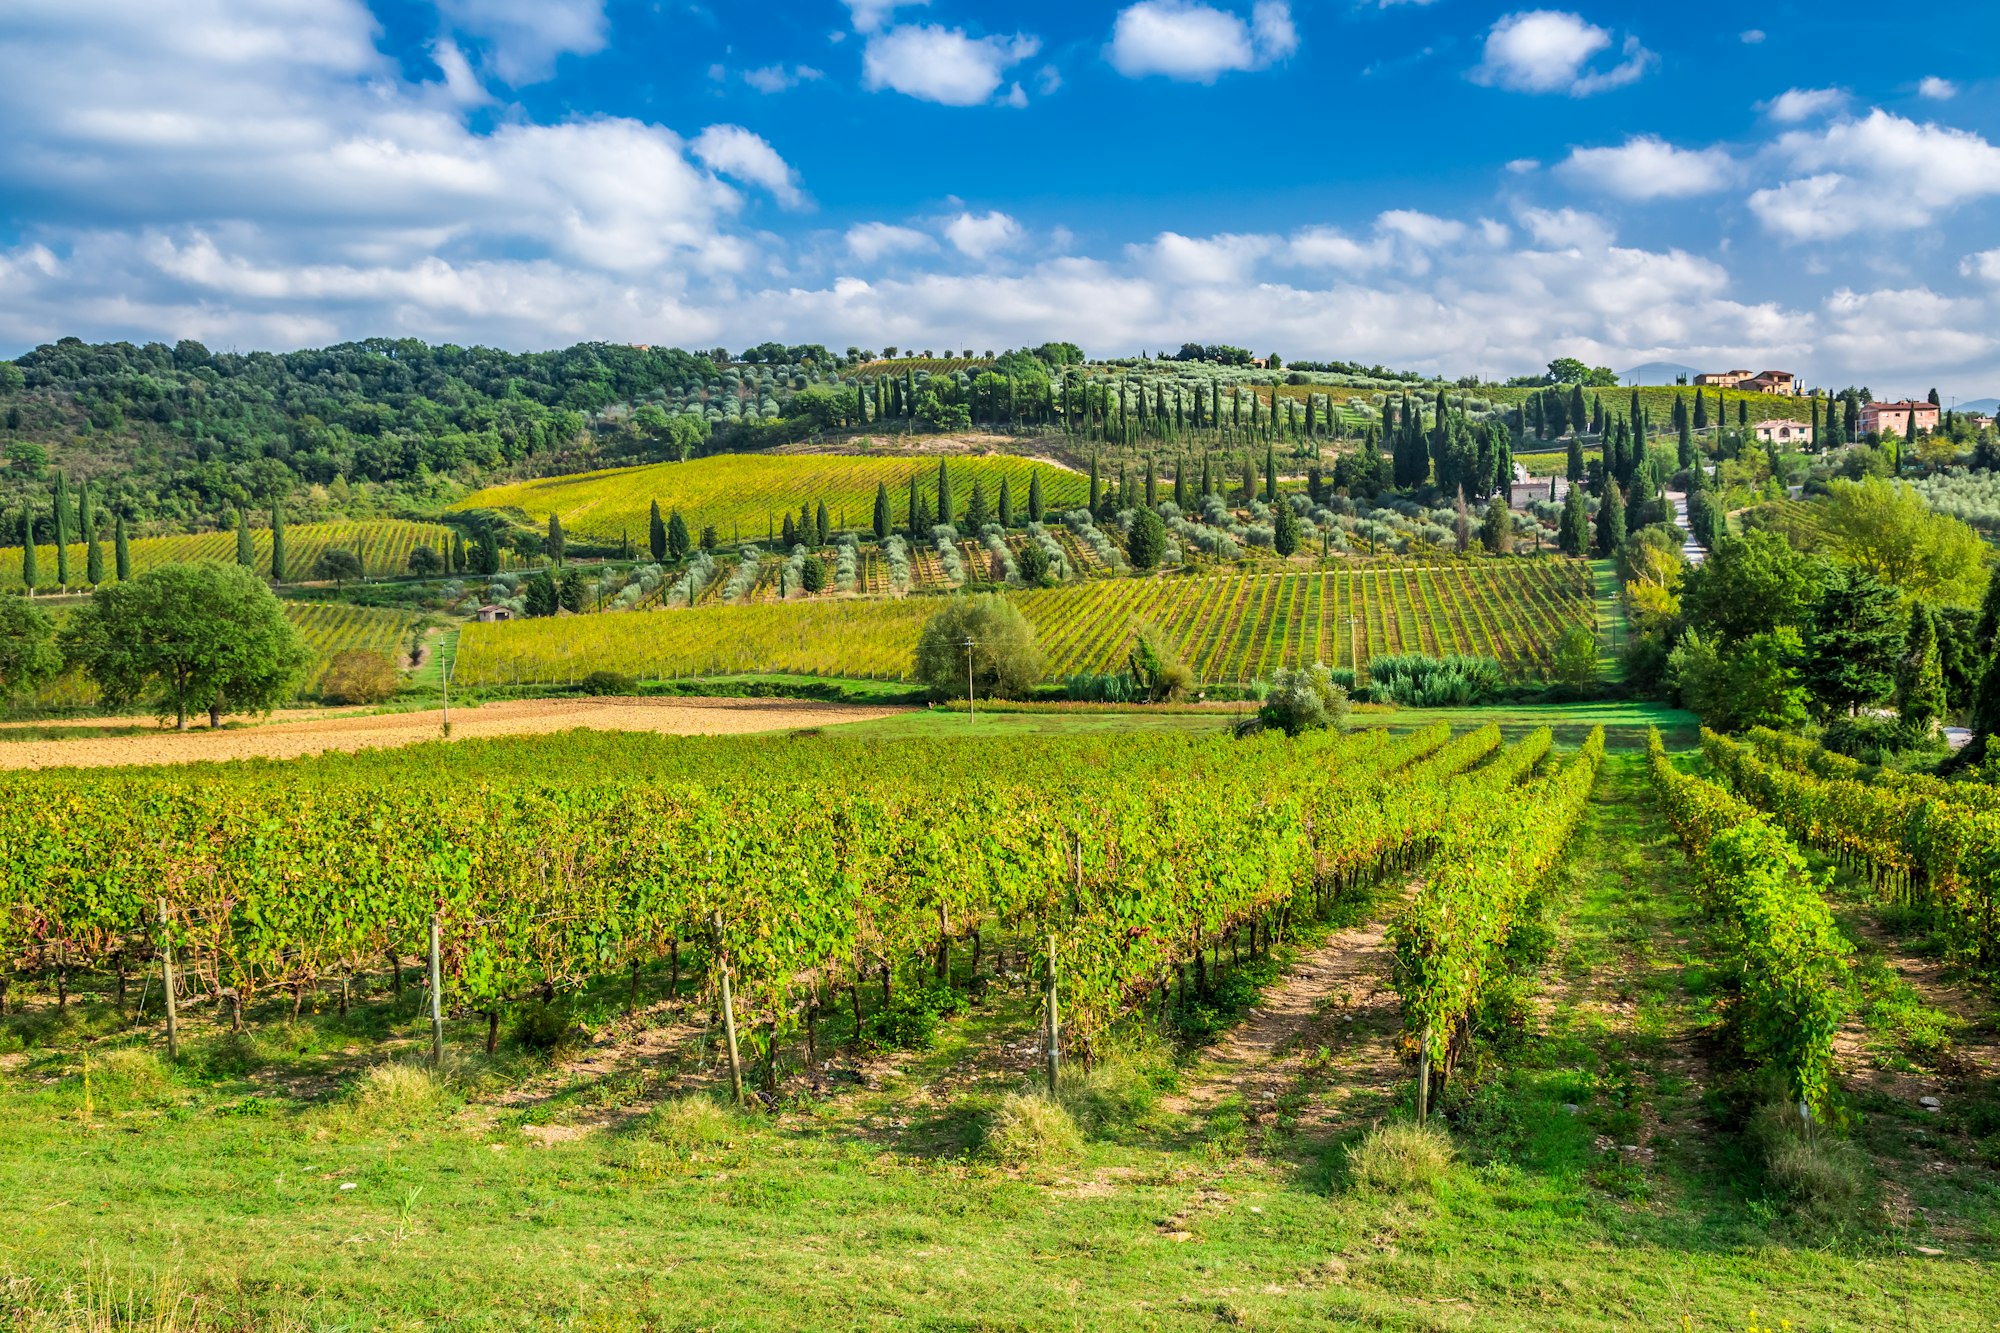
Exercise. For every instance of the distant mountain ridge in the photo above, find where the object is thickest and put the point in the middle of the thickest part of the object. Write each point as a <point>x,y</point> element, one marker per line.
<point>1657,372</point>
<point>1984,407</point>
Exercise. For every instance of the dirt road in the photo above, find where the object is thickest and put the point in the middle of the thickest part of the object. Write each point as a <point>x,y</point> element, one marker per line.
<point>292,736</point>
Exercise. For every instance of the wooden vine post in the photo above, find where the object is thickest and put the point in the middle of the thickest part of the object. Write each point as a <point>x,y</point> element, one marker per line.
<point>1424,1079</point>
<point>1053,1060</point>
<point>167,981</point>
<point>728,1011</point>
<point>437,1000</point>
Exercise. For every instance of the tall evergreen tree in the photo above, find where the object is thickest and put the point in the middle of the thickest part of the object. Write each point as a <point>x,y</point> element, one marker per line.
<point>1180,484</point>
<point>1286,536</point>
<point>1854,634</point>
<point>825,527</point>
<point>1700,411</point>
<point>246,554</point>
<point>280,557</point>
<point>1573,464</point>
<point>656,533</point>
<point>881,511</point>
<point>675,538</point>
<point>1920,699</point>
<point>93,550</point>
<point>62,529</point>
<point>121,550</point>
<point>1639,503</point>
<point>1152,485</point>
<point>1687,454</point>
<point>30,569</point>
<point>1611,520</point>
<point>945,508</point>
<point>555,539</point>
<point>1096,494</point>
<point>1271,472</point>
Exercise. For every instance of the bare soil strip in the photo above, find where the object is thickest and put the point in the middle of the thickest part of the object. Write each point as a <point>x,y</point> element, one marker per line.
<point>521,717</point>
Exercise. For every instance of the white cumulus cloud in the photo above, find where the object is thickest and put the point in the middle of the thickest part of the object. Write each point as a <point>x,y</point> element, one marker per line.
<point>944,65</point>
<point>524,38</point>
<point>984,236</point>
<point>1880,172</point>
<point>1937,89</point>
<point>869,15</point>
<point>1182,39</point>
<point>778,78</point>
<point>1648,167</point>
<point>871,241</point>
<point>1551,51</point>
<point>1797,104</point>
<point>735,151</point>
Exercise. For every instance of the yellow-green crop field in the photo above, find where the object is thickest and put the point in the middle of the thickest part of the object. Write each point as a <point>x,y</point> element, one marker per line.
<point>746,496</point>
<point>383,544</point>
<point>1235,627</point>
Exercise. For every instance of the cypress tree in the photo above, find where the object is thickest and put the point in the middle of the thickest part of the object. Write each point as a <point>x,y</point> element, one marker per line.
<point>1271,468</point>
<point>1180,484</point>
<point>881,511</point>
<point>62,528</point>
<point>790,533</point>
<point>1639,502</point>
<point>1096,496</point>
<point>1207,482</point>
<point>1152,485</point>
<point>656,533</point>
<point>246,554</point>
<point>31,573</point>
<point>808,533</point>
<point>555,539</point>
<point>1286,538</point>
<point>1035,496</point>
<point>825,528</point>
<point>1920,700</point>
<point>1687,454</point>
<point>1573,465</point>
<point>1006,505</point>
<point>280,558</point>
<point>944,505</point>
<point>1611,519</point>
<point>674,540</point>
<point>121,550</point>
<point>93,550</point>
<point>1700,411</point>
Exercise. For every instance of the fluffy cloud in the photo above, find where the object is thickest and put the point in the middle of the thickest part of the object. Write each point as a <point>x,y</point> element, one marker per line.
<point>1209,261</point>
<point>735,151</point>
<point>870,15</point>
<point>1877,173</point>
<point>1938,90</point>
<point>777,78</point>
<point>524,38</point>
<point>1549,51</point>
<point>1797,104</point>
<point>985,236</point>
<point>935,64</point>
<point>1182,39</point>
<point>871,241</point>
<point>1646,167</point>
<point>1985,264</point>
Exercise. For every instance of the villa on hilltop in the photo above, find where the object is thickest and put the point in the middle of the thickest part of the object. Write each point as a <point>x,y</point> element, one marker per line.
<point>1895,418</point>
<point>1764,381</point>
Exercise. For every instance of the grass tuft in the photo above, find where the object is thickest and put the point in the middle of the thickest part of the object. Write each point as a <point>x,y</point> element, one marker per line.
<point>1399,1159</point>
<point>1821,1179</point>
<point>687,1125</point>
<point>1032,1129</point>
<point>398,1096</point>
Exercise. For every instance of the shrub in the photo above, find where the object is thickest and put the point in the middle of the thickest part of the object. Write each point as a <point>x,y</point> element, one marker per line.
<point>359,676</point>
<point>1821,1179</point>
<point>1419,681</point>
<point>686,1125</point>
<point>1006,662</point>
<point>1872,740</point>
<point>1032,1128</point>
<point>607,682</point>
<point>1305,700</point>
<point>546,1029</point>
<point>1399,1159</point>
<point>397,1094</point>
<point>910,1022</point>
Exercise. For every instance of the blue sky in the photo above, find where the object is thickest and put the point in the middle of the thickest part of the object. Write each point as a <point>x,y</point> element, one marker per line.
<point>1451,185</point>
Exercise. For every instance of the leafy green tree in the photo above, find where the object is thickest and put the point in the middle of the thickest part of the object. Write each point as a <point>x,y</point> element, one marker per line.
<point>882,510</point>
<point>1920,696</point>
<point>1610,520</point>
<point>337,565</point>
<point>656,533</point>
<point>1573,529</point>
<point>1004,659</point>
<point>29,658</point>
<point>1157,668</point>
<point>1285,535</point>
<point>425,561</point>
<point>1854,634</point>
<point>678,544</point>
<point>1734,686</point>
<point>1146,543</point>
<point>194,636</point>
<point>1032,562</point>
<point>1750,584</point>
<point>280,558</point>
<point>1888,529</point>
<point>573,591</point>
<point>121,550</point>
<point>539,595</point>
<point>1575,663</point>
<point>1308,699</point>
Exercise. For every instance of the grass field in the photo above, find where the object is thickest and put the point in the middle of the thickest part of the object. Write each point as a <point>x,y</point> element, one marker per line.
<point>383,544</point>
<point>1235,627</point>
<point>745,497</point>
<point>304,1175</point>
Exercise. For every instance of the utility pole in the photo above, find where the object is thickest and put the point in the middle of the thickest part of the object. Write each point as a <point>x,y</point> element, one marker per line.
<point>444,675</point>
<point>971,704</point>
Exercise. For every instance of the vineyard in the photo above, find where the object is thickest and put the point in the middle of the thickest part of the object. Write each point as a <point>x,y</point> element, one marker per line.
<point>1236,627</point>
<point>530,883</point>
<point>383,545</point>
<point>745,497</point>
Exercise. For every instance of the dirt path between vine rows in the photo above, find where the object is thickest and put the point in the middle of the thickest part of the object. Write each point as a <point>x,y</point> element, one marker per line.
<point>1338,998</point>
<point>291,739</point>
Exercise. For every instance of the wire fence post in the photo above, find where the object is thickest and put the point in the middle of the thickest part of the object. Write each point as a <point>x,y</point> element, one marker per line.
<point>1424,1079</point>
<point>167,981</point>
<point>728,1011</point>
<point>437,1000</point>
<point>1053,1060</point>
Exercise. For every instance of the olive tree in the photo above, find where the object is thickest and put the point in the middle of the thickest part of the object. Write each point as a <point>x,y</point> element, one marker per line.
<point>1004,659</point>
<point>201,636</point>
<point>29,658</point>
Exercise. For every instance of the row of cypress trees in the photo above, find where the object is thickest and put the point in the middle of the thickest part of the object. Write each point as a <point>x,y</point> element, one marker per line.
<point>87,524</point>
